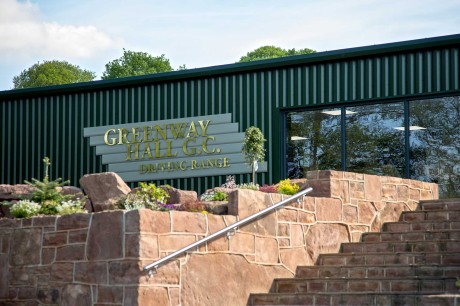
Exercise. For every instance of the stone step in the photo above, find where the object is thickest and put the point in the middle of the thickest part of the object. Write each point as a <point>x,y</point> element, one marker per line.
<point>420,226</point>
<point>353,285</point>
<point>351,299</point>
<point>445,204</point>
<point>420,271</point>
<point>438,246</point>
<point>411,236</point>
<point>389,259</point>
<point>430,215</point>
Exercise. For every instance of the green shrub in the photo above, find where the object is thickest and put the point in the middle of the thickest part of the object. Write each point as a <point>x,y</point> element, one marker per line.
<point>148,196</point>
<point>250,186</point>
<point>70,207</point>
<point>285,187</point>
<point>220,196</point>
<point>25,209</point>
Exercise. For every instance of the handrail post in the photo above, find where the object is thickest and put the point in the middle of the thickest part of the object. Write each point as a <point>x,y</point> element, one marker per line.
<point>233,227</point>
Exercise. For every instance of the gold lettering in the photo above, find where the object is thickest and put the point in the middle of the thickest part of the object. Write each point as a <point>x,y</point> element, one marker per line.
<point>135,135</point>
<point>192,130</point>
<point>147,151</point>
<point>185,149</point>
<point>129,151</point>
<point>168,149</point>
<point>179,129</point>
<point>193,165</point>
<point>122,133</point>
<point>204,145</point>
<point>147,131</point>
<point>162,132</point>
<point>113,140</point>
<point>204,126</point>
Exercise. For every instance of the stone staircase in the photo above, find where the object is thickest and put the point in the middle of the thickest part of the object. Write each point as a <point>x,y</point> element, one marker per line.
<point>415,261</point>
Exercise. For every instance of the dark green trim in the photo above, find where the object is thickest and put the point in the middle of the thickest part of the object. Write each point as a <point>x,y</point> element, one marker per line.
<point>327,56</point>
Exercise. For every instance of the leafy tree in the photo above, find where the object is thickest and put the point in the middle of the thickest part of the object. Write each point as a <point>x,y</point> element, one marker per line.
<point>52,73</point>
<point>266,52</point>
<point>136,63</point>
<point>253,148</point>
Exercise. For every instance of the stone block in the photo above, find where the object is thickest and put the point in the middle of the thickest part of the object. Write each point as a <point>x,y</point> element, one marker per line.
<point>4,271</point>
<point>284,229</point>
<point>54,239</point>
<point>372,187</point>
<point>154,296</point>
<point>78,236</point>
<point>105,236</point>
<point>389,192</point>
<point>188,222</point>
<point>172,243</point>
<point>321,188</point>
<point>242,243</point>
<point>178,196</point>
<point>109,294</point>
<point>325,238</point>
<point>48,295</point>
<point>309,204</point>
<point>402,192</point>
<point>49,221</point>
<point>146,220</point>
<point>297,235</point>
<point>73,222</point>
<point>306,217</point>
<point>48,256</point>
<point>130,272</point>
<point>104,189</point>
<point>390,213</point>
<point>141,246</point>
<point>350,214</point>
<point>328,209</point>
<point>26,247</point>
<point>245,202</point>
<point>62,272</point>
<point>91,272</point>
<point>267,250</point>
<point>71,252</point>
<point>357,190</point>
<point>74,294</point>
<point>256,278</point>
<point>287,215</point>
<point>292,258</point>
<point>366,212</point>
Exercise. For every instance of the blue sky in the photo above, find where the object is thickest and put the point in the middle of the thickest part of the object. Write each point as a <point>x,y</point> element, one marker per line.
<point>202,33</point>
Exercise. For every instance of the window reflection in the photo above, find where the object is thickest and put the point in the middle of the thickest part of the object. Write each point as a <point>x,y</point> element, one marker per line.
<point>313,141</point>
<point>434,150</point>
<point>374,139</point>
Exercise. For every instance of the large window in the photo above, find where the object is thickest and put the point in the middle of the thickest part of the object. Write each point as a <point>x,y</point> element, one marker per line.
<point>375,139</point>
<point>414,139</point>
<point>313,141</point>
<point>435,143</point>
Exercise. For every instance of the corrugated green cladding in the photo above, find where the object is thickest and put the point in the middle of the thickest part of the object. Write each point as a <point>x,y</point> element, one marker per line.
<point>49,121</point>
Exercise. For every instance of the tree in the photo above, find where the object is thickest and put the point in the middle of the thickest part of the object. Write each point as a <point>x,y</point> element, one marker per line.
<point>136,63</point>
<point>253,148</point>
<point>266,52</point>
<point>52,73</point>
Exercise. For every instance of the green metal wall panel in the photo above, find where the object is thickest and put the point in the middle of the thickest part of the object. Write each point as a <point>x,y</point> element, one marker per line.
<point>51,125</point>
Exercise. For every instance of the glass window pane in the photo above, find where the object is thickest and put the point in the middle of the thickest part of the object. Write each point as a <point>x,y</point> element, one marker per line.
<point>435,143</point>
<point>375,139</point>
<point>313,141</point>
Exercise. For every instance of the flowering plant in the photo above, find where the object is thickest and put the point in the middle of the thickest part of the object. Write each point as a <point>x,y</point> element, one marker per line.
<point>25,209</point>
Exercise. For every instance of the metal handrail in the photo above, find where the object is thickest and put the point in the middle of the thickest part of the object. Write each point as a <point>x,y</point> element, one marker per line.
<point>228,230</point>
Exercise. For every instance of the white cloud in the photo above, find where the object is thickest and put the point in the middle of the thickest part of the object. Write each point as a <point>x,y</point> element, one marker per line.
<point>26,36</point>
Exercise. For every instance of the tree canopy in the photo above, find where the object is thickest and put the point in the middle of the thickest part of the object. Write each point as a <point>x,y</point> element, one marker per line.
<point>52,73</point>
<point>134,63</point>
<point>266,52</point>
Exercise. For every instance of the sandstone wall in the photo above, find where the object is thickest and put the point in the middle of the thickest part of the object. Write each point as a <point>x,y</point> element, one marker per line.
<point>97,259</point>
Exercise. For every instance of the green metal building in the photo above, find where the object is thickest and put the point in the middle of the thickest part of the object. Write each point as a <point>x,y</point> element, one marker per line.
<point>390,109</point>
